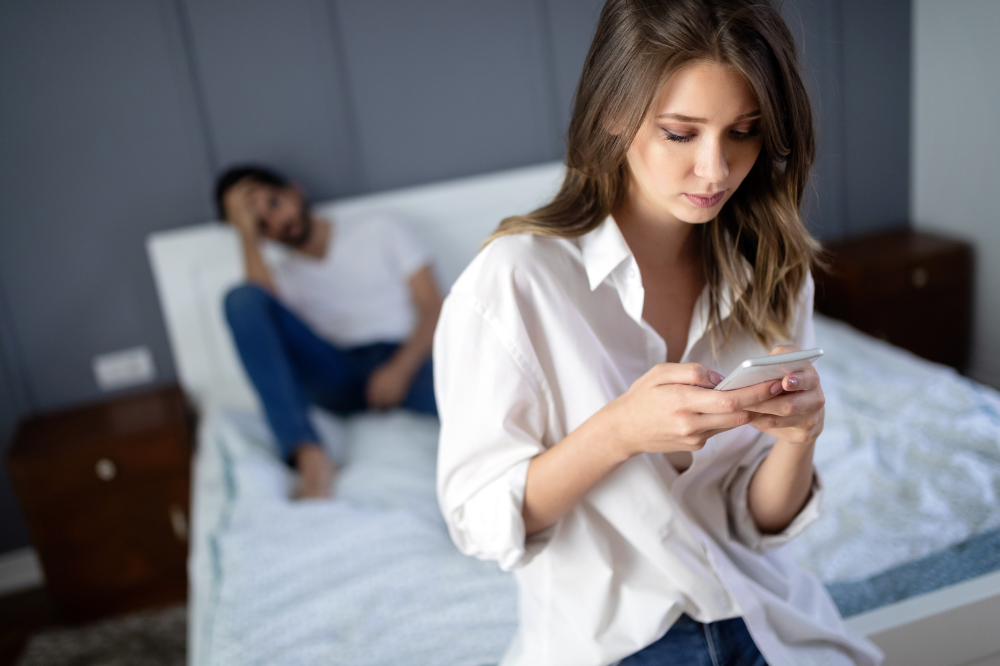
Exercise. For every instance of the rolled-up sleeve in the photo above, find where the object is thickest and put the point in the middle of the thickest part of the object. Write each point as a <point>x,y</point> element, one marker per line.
<point>492,412</point>
<point>741,522</point>
<point>737,484</point>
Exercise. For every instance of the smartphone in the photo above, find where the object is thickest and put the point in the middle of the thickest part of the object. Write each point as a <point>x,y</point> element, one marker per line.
<point>767,368</point>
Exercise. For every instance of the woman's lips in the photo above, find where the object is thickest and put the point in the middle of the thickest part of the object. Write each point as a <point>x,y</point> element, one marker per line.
<point>706,201</point>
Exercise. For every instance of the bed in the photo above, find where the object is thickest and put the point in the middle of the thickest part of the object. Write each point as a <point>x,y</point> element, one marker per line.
<point>908,544</point>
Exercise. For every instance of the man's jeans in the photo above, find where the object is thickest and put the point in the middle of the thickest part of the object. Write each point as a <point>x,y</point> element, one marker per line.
<point>291,367</point>
<point>691,643</point>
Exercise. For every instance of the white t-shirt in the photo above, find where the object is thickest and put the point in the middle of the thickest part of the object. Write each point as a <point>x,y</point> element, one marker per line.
<point>359,292</point>
<point>535,337</point>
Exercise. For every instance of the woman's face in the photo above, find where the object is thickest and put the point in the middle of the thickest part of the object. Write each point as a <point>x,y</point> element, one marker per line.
<point>696,146</point>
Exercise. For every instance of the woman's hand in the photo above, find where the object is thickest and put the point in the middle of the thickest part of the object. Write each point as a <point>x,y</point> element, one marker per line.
<point>796,415</point>
<point>673,408</point>
<point>670,408</point>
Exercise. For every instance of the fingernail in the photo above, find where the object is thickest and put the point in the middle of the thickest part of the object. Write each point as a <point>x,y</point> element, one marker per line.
<point>715,377</point>
<point>793,382</point>
<point>776,388</point>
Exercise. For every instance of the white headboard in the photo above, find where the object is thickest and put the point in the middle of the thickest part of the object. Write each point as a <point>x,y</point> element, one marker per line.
<point>195,266</point>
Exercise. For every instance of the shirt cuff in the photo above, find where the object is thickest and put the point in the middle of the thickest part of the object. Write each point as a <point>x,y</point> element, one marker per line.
<point>742,523</point>
<point>489,525</point>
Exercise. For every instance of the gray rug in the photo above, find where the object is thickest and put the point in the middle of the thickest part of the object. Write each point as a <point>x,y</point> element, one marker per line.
<point>149,638</point>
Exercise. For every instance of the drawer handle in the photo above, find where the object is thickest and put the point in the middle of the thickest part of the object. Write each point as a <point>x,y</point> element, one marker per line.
<point>178,521</point>
<point>919,277</point>
<point>105,469</point>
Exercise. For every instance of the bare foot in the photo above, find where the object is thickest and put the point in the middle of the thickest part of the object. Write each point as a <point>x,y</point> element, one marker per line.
<point>316,472</point>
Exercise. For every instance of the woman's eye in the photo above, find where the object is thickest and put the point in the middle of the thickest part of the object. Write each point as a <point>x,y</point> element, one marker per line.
<point>679,138</point>
<point>749,134</point>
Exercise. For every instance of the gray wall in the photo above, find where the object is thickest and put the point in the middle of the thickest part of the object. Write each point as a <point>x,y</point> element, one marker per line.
<point>856,57</point>
<point>115,114</point>
<point>956,140</point>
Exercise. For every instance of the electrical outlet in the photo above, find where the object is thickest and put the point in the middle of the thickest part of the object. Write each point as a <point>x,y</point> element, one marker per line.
<point>121,369</point>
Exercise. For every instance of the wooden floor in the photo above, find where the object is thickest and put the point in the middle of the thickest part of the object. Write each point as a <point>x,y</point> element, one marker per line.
<point>21,615</point>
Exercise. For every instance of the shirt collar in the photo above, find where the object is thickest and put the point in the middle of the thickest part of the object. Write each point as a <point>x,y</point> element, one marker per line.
<point>604,249</point>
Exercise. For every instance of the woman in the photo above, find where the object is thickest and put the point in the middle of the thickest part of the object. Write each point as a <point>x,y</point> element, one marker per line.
<point>581,443</point>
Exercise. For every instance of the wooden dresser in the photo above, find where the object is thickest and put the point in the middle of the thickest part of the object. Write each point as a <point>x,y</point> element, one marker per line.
<point>104,491</point>
<point>911,288</point>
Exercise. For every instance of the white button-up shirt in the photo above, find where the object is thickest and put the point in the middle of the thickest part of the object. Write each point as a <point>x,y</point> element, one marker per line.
<point>535,337</point>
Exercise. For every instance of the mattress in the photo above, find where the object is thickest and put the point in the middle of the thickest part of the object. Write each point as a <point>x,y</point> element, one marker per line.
<point>910,456</point>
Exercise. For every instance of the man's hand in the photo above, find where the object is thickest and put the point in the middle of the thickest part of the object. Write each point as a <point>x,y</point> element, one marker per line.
<point>238,205</point>
<point>387,386</point>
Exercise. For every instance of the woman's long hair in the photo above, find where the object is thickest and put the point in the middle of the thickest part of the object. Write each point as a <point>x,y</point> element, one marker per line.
<point>638,45</point>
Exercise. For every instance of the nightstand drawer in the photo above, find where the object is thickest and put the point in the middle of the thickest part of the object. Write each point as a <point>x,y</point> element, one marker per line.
<point>101,543</point>
<point>933,326</point>
<point>97,466</point>
<point>104,489</point>
<point>941,274</point>
<point>910,288</point>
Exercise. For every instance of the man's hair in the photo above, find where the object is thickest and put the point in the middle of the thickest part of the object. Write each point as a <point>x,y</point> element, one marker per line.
<point>254,173</point>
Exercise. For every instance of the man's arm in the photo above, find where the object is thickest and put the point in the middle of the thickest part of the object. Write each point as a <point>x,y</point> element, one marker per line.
<point>388,384</point>
<point>427,299</point>
<point>239,212</point>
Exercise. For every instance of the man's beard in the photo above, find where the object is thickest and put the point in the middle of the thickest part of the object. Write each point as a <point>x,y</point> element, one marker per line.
<point>300,239</point>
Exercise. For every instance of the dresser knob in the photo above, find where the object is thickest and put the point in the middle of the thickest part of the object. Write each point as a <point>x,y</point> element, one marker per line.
<point>178,521</point>
<point>919,277</point>
<point>105,469</point>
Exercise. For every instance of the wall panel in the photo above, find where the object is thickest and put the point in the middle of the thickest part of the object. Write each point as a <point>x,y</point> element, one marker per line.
<point>571,25</point>
<point>100,146</point>
<point>272,80</point>
<point>816,27</point>
<point>876,99</point>
<point>446,88</point>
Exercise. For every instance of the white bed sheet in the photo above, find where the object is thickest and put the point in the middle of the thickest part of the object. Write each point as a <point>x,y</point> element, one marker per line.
<point>368,579</point>
<point>910,456</point>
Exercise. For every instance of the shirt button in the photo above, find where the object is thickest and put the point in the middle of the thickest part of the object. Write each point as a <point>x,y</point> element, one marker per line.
<point>631,273</point>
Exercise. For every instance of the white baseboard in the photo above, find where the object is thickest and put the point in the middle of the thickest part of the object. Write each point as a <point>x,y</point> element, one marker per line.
<point>20,570</point>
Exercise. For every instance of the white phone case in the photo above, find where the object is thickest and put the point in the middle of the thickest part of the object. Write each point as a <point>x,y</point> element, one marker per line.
<point>767,368</point>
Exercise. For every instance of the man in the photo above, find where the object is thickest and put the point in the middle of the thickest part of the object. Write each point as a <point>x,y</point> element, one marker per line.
<point>344,320</point>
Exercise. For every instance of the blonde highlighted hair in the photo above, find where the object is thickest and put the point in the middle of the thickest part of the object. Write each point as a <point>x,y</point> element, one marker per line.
<point>638,45</point>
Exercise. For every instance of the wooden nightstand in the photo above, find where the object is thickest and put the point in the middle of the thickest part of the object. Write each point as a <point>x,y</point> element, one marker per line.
<point>911,288</point>
<point>104,490</point>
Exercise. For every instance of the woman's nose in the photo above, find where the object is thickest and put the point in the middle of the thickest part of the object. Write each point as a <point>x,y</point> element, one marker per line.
<point>712,164</point>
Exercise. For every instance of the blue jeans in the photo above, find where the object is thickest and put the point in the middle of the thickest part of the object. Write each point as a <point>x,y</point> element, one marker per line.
<point>291,367</point>
<point>691,643</point>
